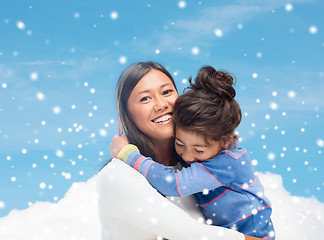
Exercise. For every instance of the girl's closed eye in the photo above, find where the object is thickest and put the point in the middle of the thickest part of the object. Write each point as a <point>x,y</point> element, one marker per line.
<point>199,151</point>
<point>179,144</point>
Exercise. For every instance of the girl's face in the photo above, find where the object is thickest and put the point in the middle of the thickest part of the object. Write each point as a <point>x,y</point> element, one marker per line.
<point>192,146</point>
<point>150,105</point>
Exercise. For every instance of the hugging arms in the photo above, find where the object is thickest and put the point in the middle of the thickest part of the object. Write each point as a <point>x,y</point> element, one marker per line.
<point>128,206</point>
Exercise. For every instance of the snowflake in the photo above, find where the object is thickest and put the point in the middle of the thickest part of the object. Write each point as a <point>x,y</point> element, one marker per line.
<point>42,185</point>
<point>195,50</point>
<point>114,15</point>
<point>218,32</point>
<point>289,7</point>
<point>20,25</point>
<point>182,4</point>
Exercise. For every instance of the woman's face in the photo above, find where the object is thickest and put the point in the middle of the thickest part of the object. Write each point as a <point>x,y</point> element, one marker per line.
<point>150,105</point>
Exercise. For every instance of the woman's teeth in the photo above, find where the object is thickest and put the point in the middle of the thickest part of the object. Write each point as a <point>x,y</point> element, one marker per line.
<point>164,118</point>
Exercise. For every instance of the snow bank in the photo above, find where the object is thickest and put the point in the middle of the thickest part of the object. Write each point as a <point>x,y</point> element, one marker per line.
<point>75,216</point>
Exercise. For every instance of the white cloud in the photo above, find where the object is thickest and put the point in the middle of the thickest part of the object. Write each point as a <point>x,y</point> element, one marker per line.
<point>293,217</point>
<point>185,31</point>
<point>42,63</point>
<point>7,73</point>
<point>225,17</point>
<point>58,70</point>
<point>75,216</point>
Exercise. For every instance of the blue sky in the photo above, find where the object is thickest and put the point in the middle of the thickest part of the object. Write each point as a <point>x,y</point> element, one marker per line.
<point>60,62</point>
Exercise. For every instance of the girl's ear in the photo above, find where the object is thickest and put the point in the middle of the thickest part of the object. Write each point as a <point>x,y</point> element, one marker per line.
<point>226,143</point>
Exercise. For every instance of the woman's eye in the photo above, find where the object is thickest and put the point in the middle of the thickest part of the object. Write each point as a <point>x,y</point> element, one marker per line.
<point>143,99</point>
<point>178,144</point>
<point>167,91</point>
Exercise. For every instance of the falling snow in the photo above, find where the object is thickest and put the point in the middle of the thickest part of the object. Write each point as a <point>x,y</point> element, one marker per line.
<point>218,32</point>
<point>320,142</point>
<point>182,4</point>
<point>34,76</point>
<point>42,185</point>
<point>195,50</point>
<point>76,15</point>
<point>58,112</point>
<point>20,25</point>
<point>313,29</point>
<point>59,153</point>
<point>103,132</point>
<point>259,54</point>
<point>122,60</point>
<point>289,7</point>
<point>271,156</point>
<point>114,15</point>
<point>40,96</point>
<point>291,94</point>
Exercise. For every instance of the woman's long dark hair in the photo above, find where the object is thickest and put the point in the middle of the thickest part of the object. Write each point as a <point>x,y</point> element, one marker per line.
<point>127,82</point>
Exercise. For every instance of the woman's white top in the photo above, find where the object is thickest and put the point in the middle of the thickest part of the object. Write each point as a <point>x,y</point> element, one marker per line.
<point>130,208</point>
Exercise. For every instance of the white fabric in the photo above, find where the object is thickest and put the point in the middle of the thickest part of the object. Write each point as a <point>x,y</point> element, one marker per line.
<point>187,203</point>
<point>129,208</point>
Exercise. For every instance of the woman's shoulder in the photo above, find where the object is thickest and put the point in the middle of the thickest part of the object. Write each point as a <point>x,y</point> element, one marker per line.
<point>115,168</point>
<point>117,174</point>
<point>111,164</point>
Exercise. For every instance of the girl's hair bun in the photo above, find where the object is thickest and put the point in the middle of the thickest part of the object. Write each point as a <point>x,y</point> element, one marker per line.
<point>208,106</point>
<point>214,82</point>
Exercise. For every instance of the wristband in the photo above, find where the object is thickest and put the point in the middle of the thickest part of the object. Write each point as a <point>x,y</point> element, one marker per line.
<point>124,153</point>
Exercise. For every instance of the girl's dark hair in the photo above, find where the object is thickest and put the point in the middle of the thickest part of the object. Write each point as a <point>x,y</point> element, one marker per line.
<point>127,82</point>
<point>208,106</point>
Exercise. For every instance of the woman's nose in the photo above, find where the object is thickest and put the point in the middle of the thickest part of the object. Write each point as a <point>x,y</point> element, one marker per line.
<point>160,104</point>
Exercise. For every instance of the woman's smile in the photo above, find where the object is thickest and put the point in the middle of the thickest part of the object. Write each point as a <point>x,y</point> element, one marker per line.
<point>150,105</point>
<point>164,119</point>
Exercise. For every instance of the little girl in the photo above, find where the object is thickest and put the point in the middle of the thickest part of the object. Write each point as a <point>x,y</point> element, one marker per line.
<point>217,171</point>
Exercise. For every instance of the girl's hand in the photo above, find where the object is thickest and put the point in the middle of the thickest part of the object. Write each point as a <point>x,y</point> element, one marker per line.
<point>117,144</point>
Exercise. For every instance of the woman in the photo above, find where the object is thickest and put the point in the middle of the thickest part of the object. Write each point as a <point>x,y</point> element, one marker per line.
<point>129,208</point>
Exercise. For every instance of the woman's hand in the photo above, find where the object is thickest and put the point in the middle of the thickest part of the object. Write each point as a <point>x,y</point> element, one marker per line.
<point>117,144</point>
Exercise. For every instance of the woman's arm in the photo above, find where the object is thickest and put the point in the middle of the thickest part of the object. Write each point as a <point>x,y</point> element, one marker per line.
<point>126,195</point>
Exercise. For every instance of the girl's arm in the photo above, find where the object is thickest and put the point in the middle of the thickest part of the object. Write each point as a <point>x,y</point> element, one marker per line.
<point>208,175</point>
<point>124,194</point>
